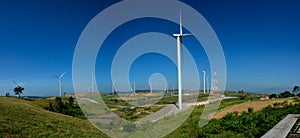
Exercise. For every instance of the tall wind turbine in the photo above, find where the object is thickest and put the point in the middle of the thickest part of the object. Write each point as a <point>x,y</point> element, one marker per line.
<point>204,79</point>
<point>179,43</point>
<point>59,82</point>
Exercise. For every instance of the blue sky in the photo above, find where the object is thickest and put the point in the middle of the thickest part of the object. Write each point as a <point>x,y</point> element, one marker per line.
<point>259,39</point>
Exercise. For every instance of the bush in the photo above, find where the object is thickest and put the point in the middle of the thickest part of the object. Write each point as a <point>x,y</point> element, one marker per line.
<point>272,96</point>
<point>251,124</point>
<point>67,108</point>
<point>250,109</point>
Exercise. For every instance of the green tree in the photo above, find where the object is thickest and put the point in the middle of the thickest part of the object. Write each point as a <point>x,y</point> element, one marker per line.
<point>71,101</point>
<point>59,105</point>
<point>285,94</point>
<point>250,109</point>
<point>18,90</point>
<point>272,96</point>
<point>296,89</point>
<point>7,94</point>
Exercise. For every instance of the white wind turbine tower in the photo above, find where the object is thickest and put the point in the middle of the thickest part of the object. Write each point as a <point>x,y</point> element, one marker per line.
<point>172,90</point>
<point>204,79</point>
<point>179,43</point>
<point>134,87</point>
<point>59,82</point>
<point>93,80</point>
<point>207,84</point>
<point>113,88</point>
<point>167,89</point>
<point>150,87</point>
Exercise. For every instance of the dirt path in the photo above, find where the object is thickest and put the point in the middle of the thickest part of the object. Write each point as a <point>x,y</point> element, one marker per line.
<point>257,105</point>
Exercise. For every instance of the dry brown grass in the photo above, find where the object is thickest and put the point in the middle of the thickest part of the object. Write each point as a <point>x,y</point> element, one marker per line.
<point>257,106</point>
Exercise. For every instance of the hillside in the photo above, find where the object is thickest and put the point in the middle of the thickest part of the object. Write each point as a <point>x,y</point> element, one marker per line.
<point>27,118</point>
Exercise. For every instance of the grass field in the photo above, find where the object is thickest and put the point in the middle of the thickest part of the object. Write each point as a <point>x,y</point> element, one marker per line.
<point>27,118</point>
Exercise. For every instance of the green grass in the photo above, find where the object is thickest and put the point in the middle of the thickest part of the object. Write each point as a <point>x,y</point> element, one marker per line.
<point>28,118</point>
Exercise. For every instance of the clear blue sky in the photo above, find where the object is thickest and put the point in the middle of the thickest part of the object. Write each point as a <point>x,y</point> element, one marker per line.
<point>260,40</point>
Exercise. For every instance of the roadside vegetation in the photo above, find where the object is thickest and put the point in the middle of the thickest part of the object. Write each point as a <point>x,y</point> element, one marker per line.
<point>246,124</point>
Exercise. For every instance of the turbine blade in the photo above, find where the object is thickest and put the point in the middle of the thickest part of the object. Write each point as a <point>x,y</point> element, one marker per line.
<point>62,75</point>
<point>55,76</point>
<point>187,34</point>
<point>180,24</point>
<point>15,82</point>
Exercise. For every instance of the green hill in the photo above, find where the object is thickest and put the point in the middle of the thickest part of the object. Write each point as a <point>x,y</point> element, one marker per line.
<point>28,118</point>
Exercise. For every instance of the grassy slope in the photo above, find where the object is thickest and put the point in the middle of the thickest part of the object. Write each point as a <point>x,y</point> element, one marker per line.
<point>23,118</point>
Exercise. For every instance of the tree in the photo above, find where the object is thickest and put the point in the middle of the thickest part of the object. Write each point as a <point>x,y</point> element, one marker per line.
<point>250,109</point>
<point>296,89</point>
<point>272,96</point>
<point>71,101</point>
<point>7,94</point>
<point>59,105</point>
<point>18,90</point>
<point>285,94</point>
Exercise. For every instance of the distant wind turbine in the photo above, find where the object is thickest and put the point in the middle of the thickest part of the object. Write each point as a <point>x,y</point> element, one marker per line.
<point>60,82</point>
<point>93,80</point>
<point>150,87</point>
<point>179,43</point>
<point>173,90</point>
<point>204,79</point>
<point>134,87</point>
<point>207,84</point>
<point>113,88</point>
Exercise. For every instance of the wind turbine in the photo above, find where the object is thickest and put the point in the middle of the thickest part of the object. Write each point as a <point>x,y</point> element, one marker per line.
<point>172,90</point>
<point>167,89</point>
<point>207,84</point>
<point>179,43</point>
<point>59,82</point>
<point>93,80</point>
<point>134,88</point>
<point>150,84</point>
<point>113,88</point>
<point>204,78</point>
